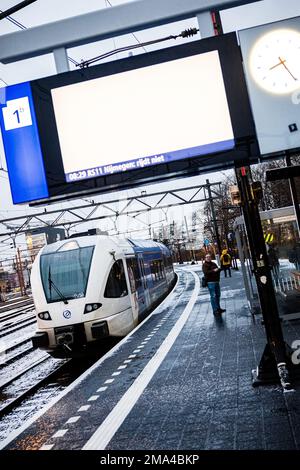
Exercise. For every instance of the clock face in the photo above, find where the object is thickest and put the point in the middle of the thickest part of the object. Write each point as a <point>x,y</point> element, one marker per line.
<point>275,61</point>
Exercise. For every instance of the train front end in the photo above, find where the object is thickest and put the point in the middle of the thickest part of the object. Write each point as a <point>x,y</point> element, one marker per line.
<point>60,279</point>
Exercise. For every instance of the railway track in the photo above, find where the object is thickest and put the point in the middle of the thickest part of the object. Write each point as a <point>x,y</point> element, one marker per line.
<point>29,378</point>
<point>14,345</point>
<point>21,398</point>
<point>12,395</point>
<point>9,329</point>
<point>10,306</point>
<point>19,374</point>
<point>15,352</point>
<point>4,318</point>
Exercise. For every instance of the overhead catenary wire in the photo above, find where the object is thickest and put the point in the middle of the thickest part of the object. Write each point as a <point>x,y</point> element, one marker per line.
<point>14,21</point>
<point>134,35</point>
<point>184,34</point>
<point>3,81</point>
<point>107,4</point>
<point>16,8</point>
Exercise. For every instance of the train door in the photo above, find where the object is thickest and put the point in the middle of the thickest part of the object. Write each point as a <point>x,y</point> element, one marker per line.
<point>132,269</point>
<point>143,291</point>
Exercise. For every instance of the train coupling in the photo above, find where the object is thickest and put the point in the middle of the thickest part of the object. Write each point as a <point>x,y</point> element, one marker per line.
<point>64,336</point>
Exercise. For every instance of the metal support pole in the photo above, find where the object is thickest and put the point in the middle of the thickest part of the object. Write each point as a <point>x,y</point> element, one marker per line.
<point>294,194</point>
<point>242,260</point>
<point>217,23</point>
<point>214,219</point>
<point>275,363</point>
<point>61,60</point>
<point>206,26</point>
<point>20,273</point>
<point>188,236</point>
<point>209,24</point>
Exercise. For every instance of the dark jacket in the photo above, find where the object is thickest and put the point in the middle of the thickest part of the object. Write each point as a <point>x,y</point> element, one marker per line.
<point>209,274</point>
<point>273,257</point>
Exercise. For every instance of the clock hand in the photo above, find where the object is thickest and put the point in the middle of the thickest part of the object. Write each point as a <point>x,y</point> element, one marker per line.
<point>289,71</point>
<point>280,63</point>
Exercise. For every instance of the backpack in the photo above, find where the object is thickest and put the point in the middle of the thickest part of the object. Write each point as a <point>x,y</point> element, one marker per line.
<point>225,260</point>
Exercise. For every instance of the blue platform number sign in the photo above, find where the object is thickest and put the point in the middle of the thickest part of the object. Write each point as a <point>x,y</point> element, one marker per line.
<point>206,242</point>
<point>17,114</point>
<point>22,144</point>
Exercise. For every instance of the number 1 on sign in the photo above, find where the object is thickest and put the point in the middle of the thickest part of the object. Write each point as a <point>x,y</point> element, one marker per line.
<point>17,114</point>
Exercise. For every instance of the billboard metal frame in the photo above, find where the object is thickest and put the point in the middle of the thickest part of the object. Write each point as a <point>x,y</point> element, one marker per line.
<point>239,108</point>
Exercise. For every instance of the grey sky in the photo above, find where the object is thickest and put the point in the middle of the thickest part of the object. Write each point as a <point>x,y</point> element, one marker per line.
<point>44,11</point>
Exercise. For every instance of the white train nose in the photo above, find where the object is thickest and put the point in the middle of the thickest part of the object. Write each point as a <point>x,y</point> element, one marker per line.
<point>108,284</point>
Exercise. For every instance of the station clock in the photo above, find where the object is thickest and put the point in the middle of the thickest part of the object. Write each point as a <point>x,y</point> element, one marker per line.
<point>275,61</point>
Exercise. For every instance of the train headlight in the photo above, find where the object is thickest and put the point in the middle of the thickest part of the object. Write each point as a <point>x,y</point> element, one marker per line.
<point>90,307</point>
<point>44,316</point>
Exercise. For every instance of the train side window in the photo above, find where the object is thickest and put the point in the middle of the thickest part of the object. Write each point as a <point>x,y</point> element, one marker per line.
<point>136,271</point>
<point>162,269</point>
<point>153,270</point>
<point>116,283</point>
<point>142,270</point>
<point>157,270</point>
<point>133,274</point>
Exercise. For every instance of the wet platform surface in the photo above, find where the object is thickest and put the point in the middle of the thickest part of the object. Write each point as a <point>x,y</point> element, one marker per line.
<point>181,381</point>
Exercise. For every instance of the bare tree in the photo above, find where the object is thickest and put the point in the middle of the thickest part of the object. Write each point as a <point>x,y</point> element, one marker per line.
<point>275,195</point>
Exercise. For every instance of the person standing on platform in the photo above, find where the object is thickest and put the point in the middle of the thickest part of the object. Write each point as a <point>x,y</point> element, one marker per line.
<point>2,295</point>
<point>234,255</point>
<point>274,261</point>
<point>294,256</point>
<point>212,275</point>
<point>225,261</point>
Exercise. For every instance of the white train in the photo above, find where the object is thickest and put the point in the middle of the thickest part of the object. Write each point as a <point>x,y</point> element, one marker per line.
<point>92,287</point>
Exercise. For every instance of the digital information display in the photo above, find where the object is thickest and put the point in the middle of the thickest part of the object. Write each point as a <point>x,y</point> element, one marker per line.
<point>154,117</point>
<point>137,118</point>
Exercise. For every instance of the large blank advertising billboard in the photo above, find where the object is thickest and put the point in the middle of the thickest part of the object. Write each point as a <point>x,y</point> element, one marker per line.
<point>132,121</point>
<point>136,118</point>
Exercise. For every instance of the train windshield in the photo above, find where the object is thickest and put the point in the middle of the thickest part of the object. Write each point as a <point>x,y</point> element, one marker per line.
<point>65,273</point>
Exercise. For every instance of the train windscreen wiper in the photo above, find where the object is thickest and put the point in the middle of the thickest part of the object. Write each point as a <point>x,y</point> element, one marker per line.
<point>51,284</point>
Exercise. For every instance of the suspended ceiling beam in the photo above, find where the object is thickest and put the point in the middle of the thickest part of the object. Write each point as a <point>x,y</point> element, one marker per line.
<point>103,24</point>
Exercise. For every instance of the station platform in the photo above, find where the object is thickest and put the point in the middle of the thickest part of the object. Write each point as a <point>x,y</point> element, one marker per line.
<point>180,381</point>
